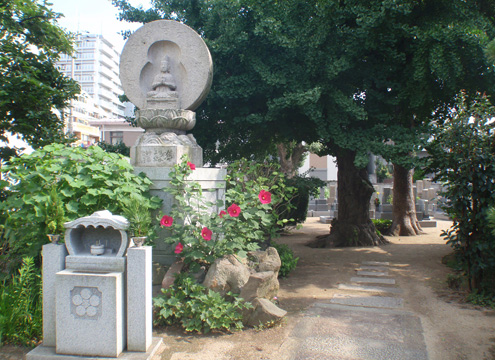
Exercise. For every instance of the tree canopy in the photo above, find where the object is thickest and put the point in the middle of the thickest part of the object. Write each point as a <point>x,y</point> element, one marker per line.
<point>355,75</point>
<point>347,73</point>
<point>31,87</point>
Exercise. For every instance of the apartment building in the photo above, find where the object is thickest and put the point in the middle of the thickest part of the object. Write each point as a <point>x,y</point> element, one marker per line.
<point>95,66</point>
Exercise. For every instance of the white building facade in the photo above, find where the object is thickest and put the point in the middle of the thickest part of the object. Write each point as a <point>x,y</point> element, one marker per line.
<point>95,66</point>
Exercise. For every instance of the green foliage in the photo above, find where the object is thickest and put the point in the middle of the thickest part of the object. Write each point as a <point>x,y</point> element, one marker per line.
<point>31,86</point>
<point>383,171</point>
<point>289,262</point>
<point>482,299</point>
<point>369,84</point>
<point>490,217</point>
<point>119,148</point>
<point>462,155</point>
<point>419,174</point>
<point>201,236</point>
<point>382,225</point>
<point>191,215</point>
<point>197,308</point>
<point>21,307</point>
<point>83,180</point>
<point>246,179</point>
<point>454,281</point>
<point>385,66</point>
<point>305,186</point>
<point>54,212</point>
<point>138,212</point>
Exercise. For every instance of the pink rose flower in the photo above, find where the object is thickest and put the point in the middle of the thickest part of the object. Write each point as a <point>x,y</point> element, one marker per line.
<point>191,165</point>
<point>166,221</point>
<point>206,234</point>
<point>265,197</point>
<point>179,248</point>
<point>234,210</point>
<point>222,213</point>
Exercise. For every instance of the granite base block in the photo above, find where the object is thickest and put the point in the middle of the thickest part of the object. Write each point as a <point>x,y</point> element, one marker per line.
<point>90,313</point>
<point>48,353</point>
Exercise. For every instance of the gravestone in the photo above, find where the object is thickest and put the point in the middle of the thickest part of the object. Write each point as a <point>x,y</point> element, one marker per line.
<point>166,70</point>
<point>333,195</point>
<point>387,192</point>
<point>419,188</point>
<point>99,293</point>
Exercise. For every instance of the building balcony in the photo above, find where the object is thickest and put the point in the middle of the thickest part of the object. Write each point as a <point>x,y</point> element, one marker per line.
<point>106,71</point>
<point>106,83</point>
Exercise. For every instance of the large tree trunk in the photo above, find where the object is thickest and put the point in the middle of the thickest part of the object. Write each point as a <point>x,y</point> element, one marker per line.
<point>353,226</point>
<point>290,157</point>
<point>404,221</point>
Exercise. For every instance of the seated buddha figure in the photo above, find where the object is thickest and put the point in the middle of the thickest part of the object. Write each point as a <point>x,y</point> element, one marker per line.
<point>163,85</point>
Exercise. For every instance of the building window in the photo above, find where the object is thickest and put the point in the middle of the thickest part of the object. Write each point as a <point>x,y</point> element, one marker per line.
<point>116,137</point>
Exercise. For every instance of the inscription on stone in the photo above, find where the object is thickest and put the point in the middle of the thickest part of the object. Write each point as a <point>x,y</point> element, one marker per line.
<point>85,303</point>
<point>155,155</point>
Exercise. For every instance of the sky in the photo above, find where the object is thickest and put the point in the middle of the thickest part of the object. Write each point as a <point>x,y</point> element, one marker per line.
<point>96,17</point>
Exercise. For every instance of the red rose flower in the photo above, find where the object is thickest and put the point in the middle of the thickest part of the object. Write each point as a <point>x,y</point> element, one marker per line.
<point>265,197</point>
<point>179,248</point>
<point>206,234</point>
<point>166,221</point>
<point>191,165</point>
<point>234,210</point>
<point>222,213</point>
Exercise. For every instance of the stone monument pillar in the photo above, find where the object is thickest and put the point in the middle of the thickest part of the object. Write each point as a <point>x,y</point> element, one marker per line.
<point>166,71</point>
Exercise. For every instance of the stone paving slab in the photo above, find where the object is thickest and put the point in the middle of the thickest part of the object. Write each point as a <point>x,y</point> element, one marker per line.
<point>368,301</point>
<point>370,288</point>
<point>373,280</point>
<point>373,268</point>
<point>379,263</point>
<point>371,273</point>
<point>331,331</point>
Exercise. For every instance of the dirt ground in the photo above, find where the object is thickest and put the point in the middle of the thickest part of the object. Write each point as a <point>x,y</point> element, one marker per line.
<point>453,330</point>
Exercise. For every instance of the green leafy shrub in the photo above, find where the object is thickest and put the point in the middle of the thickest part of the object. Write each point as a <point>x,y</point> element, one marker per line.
<point>245,180</point>
<point>199,235</point>
<point>83,180</point>
<point>454,281</point>
<point>21,307</point>
<point>289,262</point>
<point>252,216</point>
<point>462,154</point>
<point>383,171</point>
<point>119,148</point>
<point>305,186</point>
<point>482,299</point>
<point>139,216</point>
<point>382,225</point>
<point>196,308</point>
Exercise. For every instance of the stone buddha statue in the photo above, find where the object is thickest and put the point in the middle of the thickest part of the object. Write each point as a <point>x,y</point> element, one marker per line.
<point>163,85</point>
